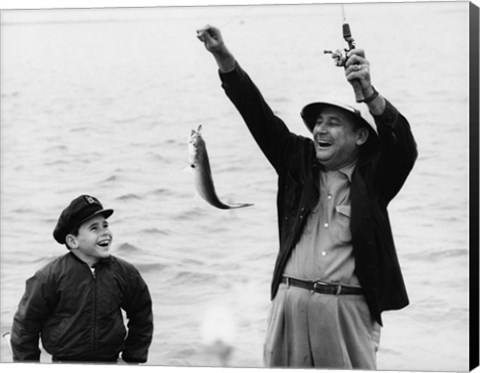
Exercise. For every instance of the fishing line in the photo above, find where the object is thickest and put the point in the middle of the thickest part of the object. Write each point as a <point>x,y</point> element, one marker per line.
<point>234,18</point>
<point>344,20</point>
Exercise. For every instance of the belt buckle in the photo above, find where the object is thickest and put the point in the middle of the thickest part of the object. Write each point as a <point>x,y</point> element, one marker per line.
<point>314,287</point>
<point>338,288</point>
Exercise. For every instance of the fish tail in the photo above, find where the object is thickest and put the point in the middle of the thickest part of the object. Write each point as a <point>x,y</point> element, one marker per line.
<point>240,205</point>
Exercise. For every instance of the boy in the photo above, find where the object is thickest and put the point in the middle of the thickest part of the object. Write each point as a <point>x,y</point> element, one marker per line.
<point>74,303</point>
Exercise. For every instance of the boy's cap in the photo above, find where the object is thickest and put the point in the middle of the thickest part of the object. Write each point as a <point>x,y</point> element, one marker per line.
<point>80,209</point>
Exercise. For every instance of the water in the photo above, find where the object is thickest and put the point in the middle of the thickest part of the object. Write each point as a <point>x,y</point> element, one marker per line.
<point>102,101</point>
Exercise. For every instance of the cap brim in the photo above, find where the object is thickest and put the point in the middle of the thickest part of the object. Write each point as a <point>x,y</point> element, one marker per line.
<point>105,212</point>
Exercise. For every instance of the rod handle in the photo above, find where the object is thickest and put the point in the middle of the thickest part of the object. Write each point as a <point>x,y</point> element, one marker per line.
<point>357,89</point>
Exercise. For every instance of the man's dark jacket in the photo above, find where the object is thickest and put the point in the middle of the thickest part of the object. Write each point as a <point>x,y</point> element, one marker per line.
<point>379,175</point>
<point>78,315</point>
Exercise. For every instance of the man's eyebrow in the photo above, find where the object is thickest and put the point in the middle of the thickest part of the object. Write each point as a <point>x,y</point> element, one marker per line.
<point>330,116</point>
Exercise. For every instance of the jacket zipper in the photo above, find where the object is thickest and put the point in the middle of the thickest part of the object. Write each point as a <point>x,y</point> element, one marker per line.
<point>94,315</point>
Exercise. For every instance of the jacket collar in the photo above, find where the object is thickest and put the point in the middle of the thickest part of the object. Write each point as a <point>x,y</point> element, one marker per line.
<point>102,261</point>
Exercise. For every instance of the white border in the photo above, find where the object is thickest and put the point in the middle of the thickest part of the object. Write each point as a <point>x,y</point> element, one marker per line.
<point>42,4</point>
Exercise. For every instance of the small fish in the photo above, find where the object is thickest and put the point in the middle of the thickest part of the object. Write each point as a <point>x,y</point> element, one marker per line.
<point>198,158</point>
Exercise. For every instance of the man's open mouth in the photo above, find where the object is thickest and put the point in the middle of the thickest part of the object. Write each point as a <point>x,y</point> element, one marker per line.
<point>324,144</point>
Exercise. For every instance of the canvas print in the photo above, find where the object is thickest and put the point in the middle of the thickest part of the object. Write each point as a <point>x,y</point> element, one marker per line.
<point>237,186</point>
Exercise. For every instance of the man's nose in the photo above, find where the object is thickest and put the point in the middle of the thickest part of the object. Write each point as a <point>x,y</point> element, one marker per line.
<point>320,127</point>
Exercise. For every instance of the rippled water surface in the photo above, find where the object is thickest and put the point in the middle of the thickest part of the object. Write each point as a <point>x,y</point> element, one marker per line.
<point>102,101</point>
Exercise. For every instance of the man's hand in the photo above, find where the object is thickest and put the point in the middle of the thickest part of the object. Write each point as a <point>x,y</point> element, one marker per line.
<point>357,72</point>
<point>213,41</point>
<point>357,68</point>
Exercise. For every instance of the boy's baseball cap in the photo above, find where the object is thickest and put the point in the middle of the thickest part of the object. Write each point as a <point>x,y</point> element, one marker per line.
<point>80,210</point>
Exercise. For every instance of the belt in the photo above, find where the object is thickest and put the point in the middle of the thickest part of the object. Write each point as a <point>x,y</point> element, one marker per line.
<point>321,287</point>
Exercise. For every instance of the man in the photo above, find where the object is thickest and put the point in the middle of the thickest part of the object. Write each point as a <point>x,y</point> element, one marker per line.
<point>337,267</point>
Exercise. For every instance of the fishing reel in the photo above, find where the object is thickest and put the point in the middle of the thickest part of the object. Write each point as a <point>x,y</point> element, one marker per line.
<point>339,56</point>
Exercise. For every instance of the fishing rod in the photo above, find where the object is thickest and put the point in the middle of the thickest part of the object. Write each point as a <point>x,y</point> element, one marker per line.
<point>340,57</point>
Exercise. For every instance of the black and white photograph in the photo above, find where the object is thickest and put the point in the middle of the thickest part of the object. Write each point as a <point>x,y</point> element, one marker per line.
<point>245,185</point>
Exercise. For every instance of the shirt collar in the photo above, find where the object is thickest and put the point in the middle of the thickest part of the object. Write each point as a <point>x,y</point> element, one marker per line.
<point>348,170</point>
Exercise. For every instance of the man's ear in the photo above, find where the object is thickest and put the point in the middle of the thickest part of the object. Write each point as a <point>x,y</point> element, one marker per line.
<point>362,136</point>
<point>71,241</point>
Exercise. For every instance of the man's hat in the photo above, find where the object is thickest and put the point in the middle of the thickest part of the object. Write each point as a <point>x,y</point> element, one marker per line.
<point>311,111</point>
<point>80,210</point>
<point>359,112</point>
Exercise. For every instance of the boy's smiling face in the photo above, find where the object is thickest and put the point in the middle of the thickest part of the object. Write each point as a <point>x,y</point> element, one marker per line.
<point>93,240</point>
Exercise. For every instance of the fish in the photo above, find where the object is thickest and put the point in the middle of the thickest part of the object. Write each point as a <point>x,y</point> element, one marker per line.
<point>200,164</point>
